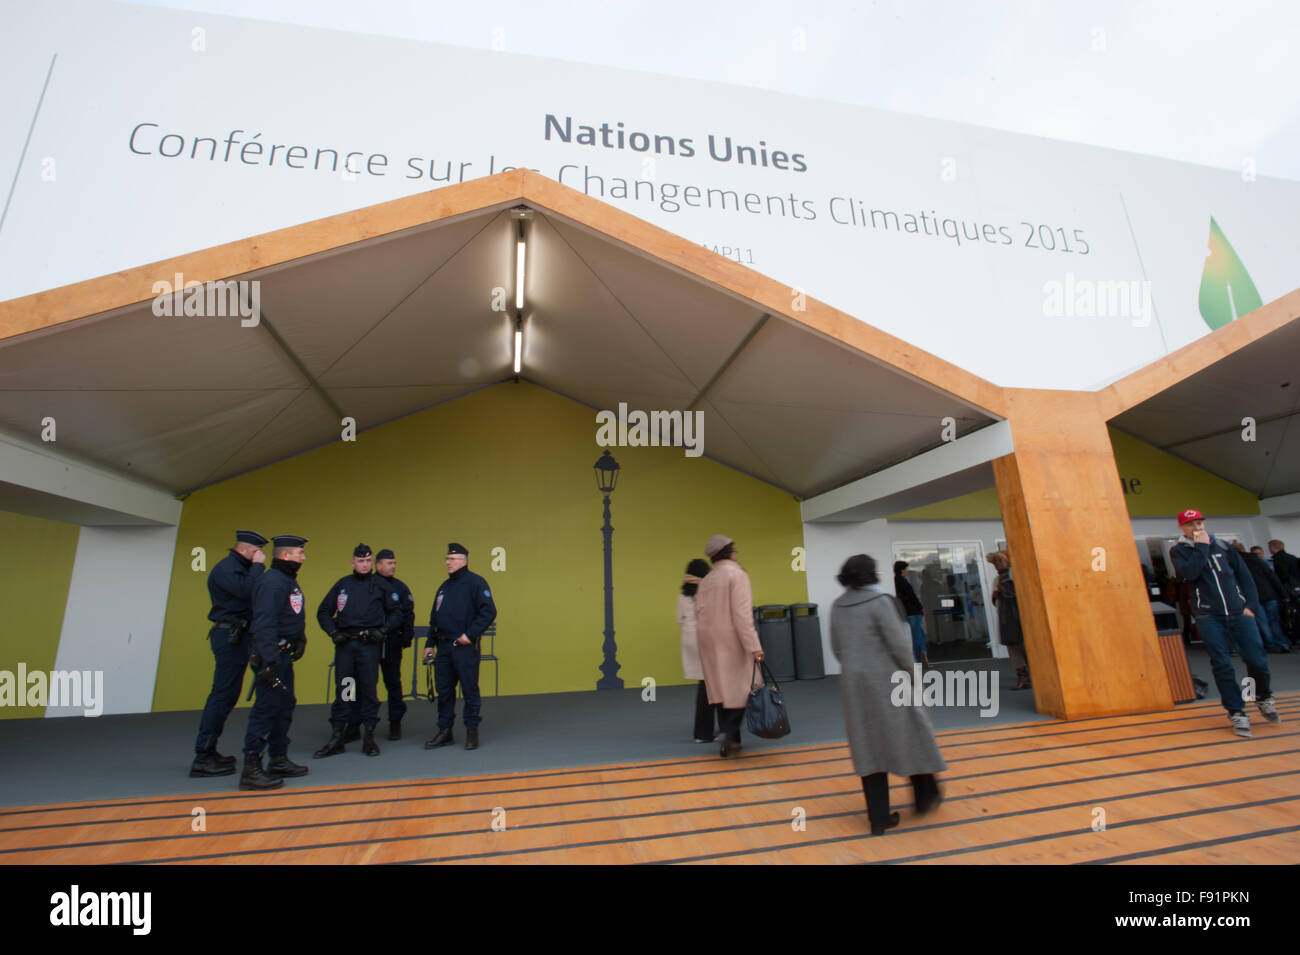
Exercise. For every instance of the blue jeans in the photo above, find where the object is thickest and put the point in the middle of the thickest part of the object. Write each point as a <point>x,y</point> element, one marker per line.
<point>1215,631</point>
<point>917,622</point>
<point>1270,626</point>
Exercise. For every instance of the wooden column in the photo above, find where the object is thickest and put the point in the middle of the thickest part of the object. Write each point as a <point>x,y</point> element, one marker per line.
<point>1089,632</point>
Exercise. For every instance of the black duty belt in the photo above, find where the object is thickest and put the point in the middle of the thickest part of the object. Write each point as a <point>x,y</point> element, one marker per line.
<point>230,624</point>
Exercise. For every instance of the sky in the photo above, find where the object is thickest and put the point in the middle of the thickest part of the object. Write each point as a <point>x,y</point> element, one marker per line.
<point>1216,84</point>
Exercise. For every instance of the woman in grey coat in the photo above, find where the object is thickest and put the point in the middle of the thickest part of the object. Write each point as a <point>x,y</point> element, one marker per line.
<point>870,638</point>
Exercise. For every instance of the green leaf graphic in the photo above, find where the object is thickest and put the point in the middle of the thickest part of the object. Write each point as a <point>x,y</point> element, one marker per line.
<point>1227,291</point>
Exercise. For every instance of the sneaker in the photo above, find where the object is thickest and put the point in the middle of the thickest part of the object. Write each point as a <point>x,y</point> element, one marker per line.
<point>1240,723</point>
<point>1269,709</point>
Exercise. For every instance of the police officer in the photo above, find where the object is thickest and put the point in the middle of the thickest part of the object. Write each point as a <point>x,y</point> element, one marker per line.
<point>279,637</point>
<point>462,610</point>
<point>358,616</point>
<point>400,639</point>
<point>230,584</point>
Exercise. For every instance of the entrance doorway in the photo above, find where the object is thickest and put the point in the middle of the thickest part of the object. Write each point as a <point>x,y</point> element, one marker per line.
<point>948,579</point>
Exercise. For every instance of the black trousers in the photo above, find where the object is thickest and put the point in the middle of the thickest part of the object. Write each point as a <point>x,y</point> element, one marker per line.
<point>729,723</point>
<point>272,714</point>
<point>227,681</point>
<point>876,788</point>
<point>390,665</point>
<point>706,713</point>
<point>457,663</point>
<point>360,662</point>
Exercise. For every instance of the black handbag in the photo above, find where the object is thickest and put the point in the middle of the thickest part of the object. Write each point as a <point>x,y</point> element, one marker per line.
<point>765,713</point>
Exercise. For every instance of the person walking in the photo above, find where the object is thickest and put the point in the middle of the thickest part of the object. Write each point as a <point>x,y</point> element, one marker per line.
<point>705,712</point>
<point>1224,591</point>
<point>728,642</point>
<point>869,636</point>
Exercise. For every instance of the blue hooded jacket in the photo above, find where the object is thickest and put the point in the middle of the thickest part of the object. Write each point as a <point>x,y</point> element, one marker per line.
<point>1221,581</point>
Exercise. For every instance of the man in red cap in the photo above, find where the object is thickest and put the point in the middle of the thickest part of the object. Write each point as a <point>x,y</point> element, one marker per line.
<point>1222,591</point>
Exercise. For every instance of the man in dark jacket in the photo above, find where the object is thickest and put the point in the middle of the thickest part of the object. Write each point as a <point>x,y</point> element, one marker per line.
<point>278,634</point>
<point>1271,593</point>
<point>390,663</point>
<point>230,586</point>
<point>462,610</point>
<point>915,612</point>
<point>1222,592</point>
<point>358,615</point>
<point>1287,568</point>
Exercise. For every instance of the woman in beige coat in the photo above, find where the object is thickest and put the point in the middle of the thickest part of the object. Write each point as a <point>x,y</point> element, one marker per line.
<point>728,642</point>
<point>705,712</point>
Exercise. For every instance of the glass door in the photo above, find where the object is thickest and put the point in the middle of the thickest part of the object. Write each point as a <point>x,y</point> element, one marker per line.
<point>948,579</point>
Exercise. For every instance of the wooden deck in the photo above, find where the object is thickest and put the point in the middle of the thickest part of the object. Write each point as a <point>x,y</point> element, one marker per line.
<point>1175,787</point>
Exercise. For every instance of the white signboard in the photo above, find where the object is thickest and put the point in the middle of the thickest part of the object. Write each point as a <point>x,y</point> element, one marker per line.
<point>147,133</point>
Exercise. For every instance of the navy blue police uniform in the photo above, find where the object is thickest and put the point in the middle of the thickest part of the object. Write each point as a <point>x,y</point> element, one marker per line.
<point>279,637</point>
<point>358,616</point>
<point>463,605</point>
<point>390,664</point>
<point>230,585</point>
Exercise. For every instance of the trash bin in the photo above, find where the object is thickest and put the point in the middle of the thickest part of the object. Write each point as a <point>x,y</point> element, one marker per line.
<point>806,625</point>
<point>775,636</point>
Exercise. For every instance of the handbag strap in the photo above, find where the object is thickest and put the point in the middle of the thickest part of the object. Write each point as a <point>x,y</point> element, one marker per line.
<point>768,678</point>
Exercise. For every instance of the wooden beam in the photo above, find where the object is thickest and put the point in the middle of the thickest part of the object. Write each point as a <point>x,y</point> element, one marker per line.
<point>1090,635</point>
<point>108,293</point>
<point>1179,365</point>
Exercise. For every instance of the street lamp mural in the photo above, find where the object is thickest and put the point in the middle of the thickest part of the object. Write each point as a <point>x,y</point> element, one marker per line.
<point>606,478</point>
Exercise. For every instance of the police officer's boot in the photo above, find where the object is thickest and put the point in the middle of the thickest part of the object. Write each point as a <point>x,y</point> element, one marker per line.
<point>283,766</point>
<point>368,745</point>
<point>471,737</point>
<point>352,733</point>
<point>210,764</point>
<point>444,738</point>
<point>254,778</point>
<point>333,747</point>
<point>394,729</point>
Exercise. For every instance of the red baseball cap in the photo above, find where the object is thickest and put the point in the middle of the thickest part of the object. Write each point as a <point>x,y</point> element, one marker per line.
<point>1190,515</point>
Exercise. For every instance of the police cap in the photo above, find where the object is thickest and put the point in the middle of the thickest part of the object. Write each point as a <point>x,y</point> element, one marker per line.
<point>288,540</point>
<point>385,554</point>
<point>361,550</point>
<point>250,537</point>
<point>454,548</point>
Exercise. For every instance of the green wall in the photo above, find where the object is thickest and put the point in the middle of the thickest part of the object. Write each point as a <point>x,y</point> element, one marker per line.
<point>509,467</point>
<point>1165,485</point>
<point>36,558</point>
